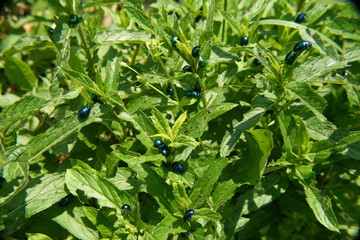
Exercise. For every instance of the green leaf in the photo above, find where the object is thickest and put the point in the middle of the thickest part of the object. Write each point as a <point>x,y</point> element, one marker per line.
<point>94,185</point>
<point>163,228</point>
<point>278,22</point>
<point>19,73</point>
<point>37,198</point>
<point>17,112</point>
<point>231,20</point>
<point>207,214</point>
<point>250,120</point>
<point>117,36</point>
<point>112,75</point>
<point>94,3</point>
<point>223,191</point>
<point>160,190</point>
<point>338,143</point>
<point>142,103</point>
<point>345,27</point>
<point>8,99</point>
<point>180,194</point>
<point>184,52</point>
<point>307,37</point>
<point>353,150</point>
<point>269,61</point>
<point>261,219</point>
<point>345,200</point>
<point>17,162</point>
<point>160,123</point>
<point>131,158</point>
<point>311,99</point>
<point>37,236</point>
<point>83,79</point>
<point>253,163</point>
<point>294,132</point>
<point>264,193</point>
<point>103,219</point>
<point>183,140</point>
<point>210,15</point>
<point>205,41</point>
<point>318,130</point>
<point>318,201</point>
<point>197,124</point>
<point>313,69</point>
<point>258,8</point>
<point>139,17</point>
<point>26,44</point>
<point>353,56</point>
<point>352,94</point>
<point>344,34</point>
<point>121,179</point>
<point>32,199</point>
<point>62,130</point>
<point>143,124</point>
<point>178,123</point>
<point>59,7</point>
<point>75,222</point>
<point>206,182</point>
<point>75,63</point>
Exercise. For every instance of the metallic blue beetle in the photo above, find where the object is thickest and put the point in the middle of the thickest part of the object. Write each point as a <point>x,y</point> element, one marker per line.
<point>178,167</point>
<point>185,234</point>
<point>73,19</point>
<point>197,87</point>
<point>65,200</point>
<point>300,18</point>
<point>192,93</point>
<point>187,68</point>
<point>170,91</point>
<point>159,144</point>
<point>84,112</point>
<point>244,41</point>
<point>165,151</point>
<point>95,98</point>
<point>126,207</point>
<point>290,57</point>
<point>301,46</point>
<point>195,51</point>
<point>51,31</point>
<point>188,214</point>
<point>257,62</point>
<point>174,40</point>
<point>202,62</point>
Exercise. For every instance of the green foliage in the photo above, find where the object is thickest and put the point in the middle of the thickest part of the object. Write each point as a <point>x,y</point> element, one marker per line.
<point>270,150</point>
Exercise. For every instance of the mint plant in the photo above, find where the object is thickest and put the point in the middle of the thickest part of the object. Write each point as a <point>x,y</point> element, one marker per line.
<point>179,119</point>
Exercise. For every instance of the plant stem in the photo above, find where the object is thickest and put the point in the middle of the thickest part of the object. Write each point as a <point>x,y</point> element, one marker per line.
<point>203,146</point>
<point>171,83</point>
<point>135,54</point>
<point>203,99</point>
<point>224,23</point>
<point>163,66</point>
<point>122,126</point>
<point>150,85</point>
<point>300,5</point>
<point>202,84</point>
<point>87,52</point>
